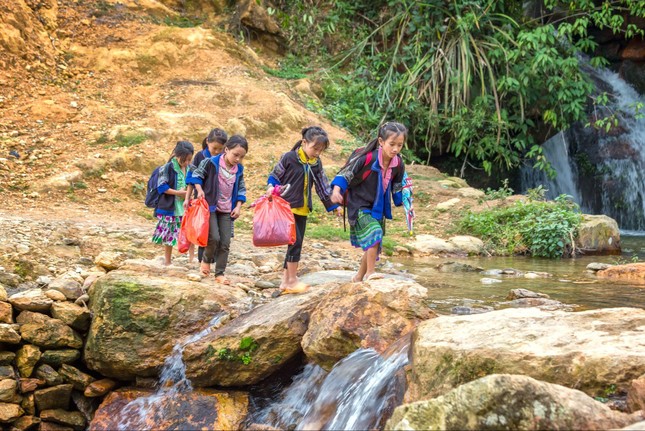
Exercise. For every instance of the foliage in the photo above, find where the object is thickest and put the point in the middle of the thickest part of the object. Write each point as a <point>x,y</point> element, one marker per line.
<point>539,228</point>
<point>476,78</point>
<point>503,192</point>
<point>289,68</point>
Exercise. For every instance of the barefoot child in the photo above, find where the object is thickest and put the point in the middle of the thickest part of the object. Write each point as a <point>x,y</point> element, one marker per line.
<point>212,145</point>
<point>172,191</point>
<point>372,178</point>
<point>220,179</point>
<point>301,168</point>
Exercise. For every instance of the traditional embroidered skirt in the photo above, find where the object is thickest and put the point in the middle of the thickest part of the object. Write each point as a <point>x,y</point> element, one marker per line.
<point>167,230</point>
<point>367,232</point>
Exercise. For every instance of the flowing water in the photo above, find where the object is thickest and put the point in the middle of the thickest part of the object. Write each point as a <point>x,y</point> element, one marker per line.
<point>140,413</point>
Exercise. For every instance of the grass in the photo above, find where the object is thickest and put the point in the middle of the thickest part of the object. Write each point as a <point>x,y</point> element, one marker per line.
<point>121,140</point>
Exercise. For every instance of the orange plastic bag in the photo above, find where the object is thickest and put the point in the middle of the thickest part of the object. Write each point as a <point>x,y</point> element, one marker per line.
<point>273,222</point>
<point>197,217</point>
<point>182,241</point>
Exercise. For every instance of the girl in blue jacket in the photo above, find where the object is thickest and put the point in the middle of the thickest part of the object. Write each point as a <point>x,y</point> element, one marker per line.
<point>220,179</point>
<point>172,192</point>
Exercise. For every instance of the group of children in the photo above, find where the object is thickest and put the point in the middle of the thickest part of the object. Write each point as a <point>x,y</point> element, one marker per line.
<point>367,184</point>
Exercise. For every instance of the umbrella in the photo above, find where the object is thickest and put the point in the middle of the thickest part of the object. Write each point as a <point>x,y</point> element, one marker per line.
<point>407,202</point>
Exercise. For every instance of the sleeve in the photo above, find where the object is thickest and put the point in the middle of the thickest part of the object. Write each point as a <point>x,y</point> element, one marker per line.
<point>346,175</point>
<point>277,174</point>
<point>397,186</point>
<point>164,179</point>
<point>196,161</point>
<point>241,190</point>
<point>199,174</point>
<point>323,189</point>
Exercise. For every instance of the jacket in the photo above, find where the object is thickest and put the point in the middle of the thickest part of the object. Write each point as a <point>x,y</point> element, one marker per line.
<point>207,175</point>
<point>167,180</point>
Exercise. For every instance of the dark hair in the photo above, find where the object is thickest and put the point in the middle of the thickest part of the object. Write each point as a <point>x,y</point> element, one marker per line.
<point>215,135</point>
<point>182,150</point>
<point>384,132</point>
<point>237,141</point>
<point>314,134</point>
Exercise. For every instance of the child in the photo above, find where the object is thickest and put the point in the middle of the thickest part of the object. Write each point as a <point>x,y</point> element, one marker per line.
<point>301,168</point>
<point>220,179</point>
<point>212,145</point>
<point>171,188</point>
<point>370,177</point>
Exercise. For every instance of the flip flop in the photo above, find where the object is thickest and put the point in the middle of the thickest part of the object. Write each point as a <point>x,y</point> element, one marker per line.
<point>375,276</point>
<point>298,288</point>
<point>222,280</point>
<point>355,279</point>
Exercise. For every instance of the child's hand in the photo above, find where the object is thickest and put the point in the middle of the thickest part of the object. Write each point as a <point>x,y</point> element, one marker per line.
<point>236,212</point>
<point>186,203</point>
<point>269,191</point>
<point>336,196</point>
<point>339,212</point>
<point>200,193</point>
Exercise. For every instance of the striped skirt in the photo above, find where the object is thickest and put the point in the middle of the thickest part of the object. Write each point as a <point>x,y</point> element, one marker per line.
<point>367,232</point>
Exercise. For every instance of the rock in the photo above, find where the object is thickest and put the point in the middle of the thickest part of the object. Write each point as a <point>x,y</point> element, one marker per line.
<point>541,303</point>
<point>503,401</point>
<point>464,310</point>
<point>26,359</point>
<point>49,375</point>
<point>30,385</point>
<point>636,394</point>
<point>430,244</point>
<point>587,350</point>
<point>598,234</point>
<point>6,312</point>
<point>83,300</point>
<point>524,293</point>
<point>373,314</point>
<point>631,272</point>
<point>28,403</point>
<point>7,357</point>
<point>8,279</point>
<point>635,50</point>
<point>453,183</point>
<point>443,206</point>
<point>487,280</point>
<point>56,397</point>
<point>138,319</point>
<point>32,317</point>
<point>7,372</point>
<point>31,300</point>
<point>457,267</point>
<point>597,266</point>
<point>51,334</point>
<point>8,334</point>
<point>55,295</point>
<point>253,346</point>
<point>242,270</point>
<point>61,182</point>
<point>98,388</point>
<point>71,314</point>
<point>25,423</point>
<point>10,412</point>
<point>68,286</point>
<point>51,426</point>
<point>60,416</point>
<point>72,375</point>
<point>61,356</point>
<point>262,284</point>
<point>470,192</point>
<point>206,409</point>
<point>110,260</point>
<point>468,244</point>
<point>8,390</point>
<point>638,426</point>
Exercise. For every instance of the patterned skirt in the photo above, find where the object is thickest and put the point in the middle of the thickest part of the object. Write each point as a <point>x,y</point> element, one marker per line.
<point>367,232</point>
<point>167,230</point>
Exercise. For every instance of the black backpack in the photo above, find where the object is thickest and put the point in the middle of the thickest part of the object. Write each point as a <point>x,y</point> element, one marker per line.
<point>152,195</point>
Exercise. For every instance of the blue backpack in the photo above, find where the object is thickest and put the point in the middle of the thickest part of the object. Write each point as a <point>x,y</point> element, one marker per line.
<point>152,195</point>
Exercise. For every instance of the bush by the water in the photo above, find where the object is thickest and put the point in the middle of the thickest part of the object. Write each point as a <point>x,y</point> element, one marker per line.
<point>536,227</point>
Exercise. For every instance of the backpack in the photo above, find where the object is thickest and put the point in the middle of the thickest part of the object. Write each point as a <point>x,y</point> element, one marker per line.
<point>152,195</point>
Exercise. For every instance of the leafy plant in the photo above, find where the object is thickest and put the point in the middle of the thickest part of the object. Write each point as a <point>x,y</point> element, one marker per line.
<point>503,192</point>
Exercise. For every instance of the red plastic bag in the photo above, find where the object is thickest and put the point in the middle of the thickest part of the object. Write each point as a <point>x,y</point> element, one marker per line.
<point>182,241</point>
<point>273,222</point>
<point>197,216</point>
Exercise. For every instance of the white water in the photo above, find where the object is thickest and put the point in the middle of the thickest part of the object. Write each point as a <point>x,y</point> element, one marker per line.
<point>172,381</point>
<point>357,393</point>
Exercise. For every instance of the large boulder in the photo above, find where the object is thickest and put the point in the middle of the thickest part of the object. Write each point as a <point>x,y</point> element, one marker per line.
<point>251,347</point>
<point>589,350</point>
<point>138,319</point>
<point>199,409</point>
<point>598,234</point>
<point>632,273</point>
<point>503,401</point>
<point>373,314</point>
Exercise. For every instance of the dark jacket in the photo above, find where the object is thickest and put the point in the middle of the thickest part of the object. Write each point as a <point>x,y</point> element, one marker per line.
<point>290,170</point>
<point>199,157</point>
<point>207,175</point>
<point>368,195</point>
<point>167,180</point>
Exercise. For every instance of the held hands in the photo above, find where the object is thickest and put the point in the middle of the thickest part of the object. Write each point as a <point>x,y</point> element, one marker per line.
<point>336,196</point>
<point>269,191</point>
<point>339,212</point>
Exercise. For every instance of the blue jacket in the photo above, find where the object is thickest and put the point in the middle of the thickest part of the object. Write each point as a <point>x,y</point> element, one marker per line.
<point>207,176</point>
<point>167,180</point>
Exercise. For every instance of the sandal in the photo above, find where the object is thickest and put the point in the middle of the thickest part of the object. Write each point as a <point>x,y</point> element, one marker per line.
<point>375,276</point>
<point>222,280</point>
<point>355,279</point>
<point>205,269</point>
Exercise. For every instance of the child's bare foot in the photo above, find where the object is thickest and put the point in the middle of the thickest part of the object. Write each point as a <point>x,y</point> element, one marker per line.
<point>357,278</point>
<point>222,280</point>
<point>205,269</point>
<point>298,287</point>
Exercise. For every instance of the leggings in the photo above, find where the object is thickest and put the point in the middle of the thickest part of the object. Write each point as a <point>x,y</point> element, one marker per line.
<point>294,250</point>
<point>219,241</point>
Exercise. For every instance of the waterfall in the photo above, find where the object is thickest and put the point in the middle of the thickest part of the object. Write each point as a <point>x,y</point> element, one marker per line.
<point>140,414</point>
<point>360,392</point>
<point>604,171</point>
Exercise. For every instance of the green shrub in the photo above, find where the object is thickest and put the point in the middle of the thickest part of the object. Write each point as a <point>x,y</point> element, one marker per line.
<point>539,228</point>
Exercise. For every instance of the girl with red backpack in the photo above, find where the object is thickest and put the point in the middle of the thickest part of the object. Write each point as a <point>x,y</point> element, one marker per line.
<point>372,178</point>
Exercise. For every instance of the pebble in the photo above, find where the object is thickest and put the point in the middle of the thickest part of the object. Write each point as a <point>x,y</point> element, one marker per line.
<point>263,284</point>
<point>43,280</point>
<point>22,249</point>
<point>73,104</point>
<point>102,190</point>
<point>490,281</point>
